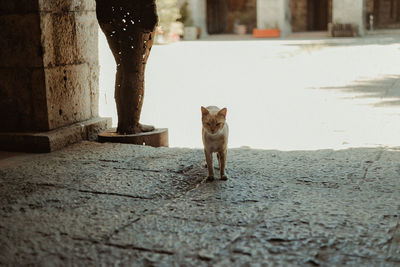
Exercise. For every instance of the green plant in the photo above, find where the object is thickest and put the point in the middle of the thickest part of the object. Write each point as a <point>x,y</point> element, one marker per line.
<point>186,17</point>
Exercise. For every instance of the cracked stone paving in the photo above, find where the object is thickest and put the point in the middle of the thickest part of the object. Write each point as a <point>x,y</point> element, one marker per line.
<point>97,204</point>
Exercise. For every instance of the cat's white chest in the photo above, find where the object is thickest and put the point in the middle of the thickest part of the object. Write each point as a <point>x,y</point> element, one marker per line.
<point>216,142</point>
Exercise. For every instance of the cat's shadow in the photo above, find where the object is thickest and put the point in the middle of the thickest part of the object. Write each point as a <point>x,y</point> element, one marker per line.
<point>197,173</point>
<point>216,173</point>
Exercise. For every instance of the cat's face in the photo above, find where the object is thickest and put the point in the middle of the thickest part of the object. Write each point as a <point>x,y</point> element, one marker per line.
<point>213,119</point>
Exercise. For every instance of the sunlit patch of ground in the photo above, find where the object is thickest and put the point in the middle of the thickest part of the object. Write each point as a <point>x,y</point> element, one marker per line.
<point>280,94</point>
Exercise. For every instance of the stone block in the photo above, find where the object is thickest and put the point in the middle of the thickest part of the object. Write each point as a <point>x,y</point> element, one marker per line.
<point>92,130</point>
<point>41,142</point>
<point>58,39</point>
<point>20,41</point>
<point>155,138</point>
<point>15,106</point>
<point>68,94</point>
<point>66,5</point>
<point>18,7</point>
<point>86,30</point>
<point>94,89</point>
<point>69,38</point>
<point>22,99</point>
<point>38,101</point>
<point>48,69</point>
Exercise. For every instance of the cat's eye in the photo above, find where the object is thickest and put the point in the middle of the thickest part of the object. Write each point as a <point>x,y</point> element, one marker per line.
<point>209,124</point>
<point>218,123</point>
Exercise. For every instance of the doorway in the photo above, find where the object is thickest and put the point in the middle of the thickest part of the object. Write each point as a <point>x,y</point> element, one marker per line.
<point>317,15</point>
<point>217,14</point>
<point>224,15</point>
<point>310,15</point>
<point>386,13</point>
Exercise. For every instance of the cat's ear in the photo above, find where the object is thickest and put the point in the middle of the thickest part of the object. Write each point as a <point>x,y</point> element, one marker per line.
<point>204,111</point>
<point>223,112</point>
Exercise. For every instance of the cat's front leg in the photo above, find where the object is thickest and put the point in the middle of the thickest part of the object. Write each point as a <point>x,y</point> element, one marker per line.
<point>210,167</point>
<point>222,162</point>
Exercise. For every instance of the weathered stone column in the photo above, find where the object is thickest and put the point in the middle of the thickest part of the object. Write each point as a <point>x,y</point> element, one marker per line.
<point>274,14</point>
<point>48,74</point>
<point>350,12</point>
<point>129,26</point>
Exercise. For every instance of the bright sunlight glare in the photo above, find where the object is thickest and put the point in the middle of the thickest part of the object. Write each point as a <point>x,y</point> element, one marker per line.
<point>280,94</point>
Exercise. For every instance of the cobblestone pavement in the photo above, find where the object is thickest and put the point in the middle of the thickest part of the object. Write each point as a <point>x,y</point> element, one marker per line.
<point>97,204</point>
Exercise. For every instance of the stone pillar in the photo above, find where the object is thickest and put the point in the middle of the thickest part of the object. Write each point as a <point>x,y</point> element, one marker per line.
<point>274,14</point>
<point>48,74</point>
<point>350,12</point>
<point>198,11</point>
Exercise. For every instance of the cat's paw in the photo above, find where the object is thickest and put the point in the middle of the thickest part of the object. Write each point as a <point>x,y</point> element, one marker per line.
<point>224,177</point>
<point>210,178</point>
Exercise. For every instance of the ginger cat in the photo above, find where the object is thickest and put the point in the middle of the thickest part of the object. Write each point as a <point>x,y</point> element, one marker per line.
<point>215,138</point>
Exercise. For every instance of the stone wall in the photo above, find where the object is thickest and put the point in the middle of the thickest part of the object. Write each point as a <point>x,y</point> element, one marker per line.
<point>22,85</point>
<point>274,14</point>
<point>49,64</point>
<point>198,10</point>
<point>69,39</point>
<point>350,12</point>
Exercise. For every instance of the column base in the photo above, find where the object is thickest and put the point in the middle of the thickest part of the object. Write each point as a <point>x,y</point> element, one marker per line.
<point>41,142</point>
<point>156,138</point>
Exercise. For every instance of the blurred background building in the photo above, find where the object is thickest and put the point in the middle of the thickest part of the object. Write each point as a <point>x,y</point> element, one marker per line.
<point>224,16</point>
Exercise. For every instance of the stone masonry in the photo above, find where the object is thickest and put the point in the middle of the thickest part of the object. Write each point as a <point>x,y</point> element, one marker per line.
<point>48,67</point>
<point>22,80</point>
<point>354,14</point>
<point>274,14</point>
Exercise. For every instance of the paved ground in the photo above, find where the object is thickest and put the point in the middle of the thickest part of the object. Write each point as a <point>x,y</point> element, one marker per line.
<point>97,204</point>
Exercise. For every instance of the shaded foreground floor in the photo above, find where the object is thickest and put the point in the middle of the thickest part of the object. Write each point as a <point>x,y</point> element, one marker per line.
<point>115,204</point>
